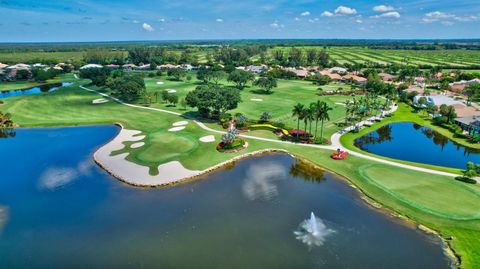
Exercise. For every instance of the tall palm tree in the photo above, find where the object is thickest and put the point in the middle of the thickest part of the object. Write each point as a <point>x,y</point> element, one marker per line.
<point>316,111</point>
<point>297,112</point>
<point>324,116</point>
<point>310,115</point>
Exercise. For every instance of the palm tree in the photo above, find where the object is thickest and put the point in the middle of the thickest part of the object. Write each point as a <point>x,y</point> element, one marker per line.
<point>297,112</point>
<point>310,115</point>
<point>305,117</point>
<point>316,111</point>
<point>324,116</point>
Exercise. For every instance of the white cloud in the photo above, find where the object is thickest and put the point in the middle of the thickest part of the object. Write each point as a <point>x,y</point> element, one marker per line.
<point>447,19</point>
<point>327,14</point>
<point>343,10</point>
<point>161,20</point>
<point>392,14</point>
<point>359,21</point>
<point>219,20</point>
<point>296,19</point>
<point>148,27</point>
<point>276,25</point>
<point>314,20</point>
<point>383,8</point>
<point>135,21</point>
<point>306,13</point>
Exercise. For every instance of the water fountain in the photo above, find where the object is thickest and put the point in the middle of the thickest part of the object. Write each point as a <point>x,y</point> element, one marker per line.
<point>313,231</point>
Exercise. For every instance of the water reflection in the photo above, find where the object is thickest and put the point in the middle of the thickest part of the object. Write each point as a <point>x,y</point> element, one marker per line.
<point>50,87</point>
<point>307,171</point>
<point>412,142</point>
<point>7,132</point>
<point>56,177</point>
<point>261,179</point>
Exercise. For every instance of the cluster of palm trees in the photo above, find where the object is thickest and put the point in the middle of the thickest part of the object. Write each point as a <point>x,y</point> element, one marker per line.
<point>366,106</point>
<point>315,112</point>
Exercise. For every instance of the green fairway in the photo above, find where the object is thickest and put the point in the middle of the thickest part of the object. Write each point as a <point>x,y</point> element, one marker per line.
<point>254,102</point>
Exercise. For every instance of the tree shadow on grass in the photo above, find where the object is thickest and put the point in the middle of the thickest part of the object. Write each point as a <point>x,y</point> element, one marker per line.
<point>263,92</point>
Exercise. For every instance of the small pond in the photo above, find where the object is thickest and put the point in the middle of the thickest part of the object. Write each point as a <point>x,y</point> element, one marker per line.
<point>44,88</point>
<point>412,142</point>
<point>60,210</point>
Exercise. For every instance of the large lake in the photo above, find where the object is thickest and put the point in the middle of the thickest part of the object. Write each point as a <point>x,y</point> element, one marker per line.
<point>59,210</point>
<point>412,142</point>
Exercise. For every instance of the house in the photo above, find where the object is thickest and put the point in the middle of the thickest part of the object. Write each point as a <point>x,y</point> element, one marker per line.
<point>3,66</point>
<point>301,73</point>
<point>167,66</point>
<point>257,69</point>
<point>470,124</point>
<point>439,100</point>
<point>39,65</point>
<point>129,66</point>
<point>188,67</point>
<point>332,76</point>
<point>113,66</point>
<point>19,67</point>
<point>87,66</point>
<point>459,86</point>
<point>337,70</point>
<point>144,67</point>
<point>386,77</point>
<point>360,81</point>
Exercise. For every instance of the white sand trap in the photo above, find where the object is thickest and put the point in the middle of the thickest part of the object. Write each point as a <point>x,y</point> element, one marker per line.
<point>341,104</point>
<point>134,173</point>
<point>137,145</point>
<point>207,139</point>
<point>180,123</point>
<point>99,101</point>
<point>160,82</point>
<point>171,90</point>
<point>176,129</point>
<point>256,100</point>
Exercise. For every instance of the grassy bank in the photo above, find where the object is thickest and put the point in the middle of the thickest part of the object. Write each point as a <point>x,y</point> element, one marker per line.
<point>448,206</point>
<point>21,85</point>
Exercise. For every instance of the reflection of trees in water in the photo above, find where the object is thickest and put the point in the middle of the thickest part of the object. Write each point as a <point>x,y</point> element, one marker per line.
<point>441,140</point>
<point>381,135</point>
<point>3,217</point>
<point>307,171</point>
<point>6,126</point>
<point>48,87</point>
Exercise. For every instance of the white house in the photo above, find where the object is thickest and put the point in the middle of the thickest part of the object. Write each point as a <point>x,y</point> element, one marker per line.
<point>337,70</point>
<point>87,66</point>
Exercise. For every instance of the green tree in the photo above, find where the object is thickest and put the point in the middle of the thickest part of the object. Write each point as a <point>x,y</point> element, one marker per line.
<point>266,83</point>
<point>176,73</point>
<point>240,78</point>
<point>265,116</point>
<point>172,99</point>
<point>297,112</point>
<point>128,88</point>
<point>213,99</point>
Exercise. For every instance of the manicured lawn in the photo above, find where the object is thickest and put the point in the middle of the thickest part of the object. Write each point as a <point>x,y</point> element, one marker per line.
<point>254,102</point>
<point>435,201</point>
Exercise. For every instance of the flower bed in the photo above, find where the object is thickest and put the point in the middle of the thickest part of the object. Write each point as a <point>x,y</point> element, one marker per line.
<point>237,145</point>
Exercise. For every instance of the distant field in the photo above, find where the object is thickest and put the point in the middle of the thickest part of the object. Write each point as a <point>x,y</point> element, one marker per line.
<point>458,59</point>
<point>33,57</point>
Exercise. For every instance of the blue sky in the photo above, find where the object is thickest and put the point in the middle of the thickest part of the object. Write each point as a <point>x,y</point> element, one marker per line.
<point>110,20</point>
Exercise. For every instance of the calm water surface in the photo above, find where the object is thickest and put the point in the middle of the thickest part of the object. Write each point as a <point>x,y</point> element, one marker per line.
<point>51,87</point>
<point>412,142</point>
<point>59,210</point>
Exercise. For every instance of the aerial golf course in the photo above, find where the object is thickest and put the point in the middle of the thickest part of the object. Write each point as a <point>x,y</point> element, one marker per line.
<point>438,202</point>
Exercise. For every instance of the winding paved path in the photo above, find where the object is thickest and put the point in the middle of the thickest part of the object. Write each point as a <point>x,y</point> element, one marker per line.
<point>335,138</point>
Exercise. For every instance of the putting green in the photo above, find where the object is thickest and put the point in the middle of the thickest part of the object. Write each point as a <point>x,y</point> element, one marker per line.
<point>426,193</point>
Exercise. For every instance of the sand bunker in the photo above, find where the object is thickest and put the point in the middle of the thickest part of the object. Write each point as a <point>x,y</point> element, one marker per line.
<point>207,139</point>
<point>160,82</point>
<point>99,101</point>
<point>137,145</point>
<point>176,129</point>
<point>134,173</point>
<point>171,90</point>
<point>180,123</point>
<point>256,100</point>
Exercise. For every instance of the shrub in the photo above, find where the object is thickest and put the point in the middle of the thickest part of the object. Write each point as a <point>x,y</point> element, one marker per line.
<point>466,180</point>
